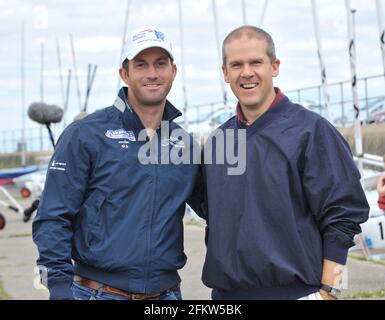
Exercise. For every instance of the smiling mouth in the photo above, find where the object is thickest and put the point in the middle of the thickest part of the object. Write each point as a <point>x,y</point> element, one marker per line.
<point>249,86</point>
<point>152,85</point>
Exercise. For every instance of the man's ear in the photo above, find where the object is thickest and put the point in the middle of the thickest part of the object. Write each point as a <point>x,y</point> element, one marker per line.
<point>174,70</point>
<point>276,65</point>
<point>123,75</point>
<point>225,74</point>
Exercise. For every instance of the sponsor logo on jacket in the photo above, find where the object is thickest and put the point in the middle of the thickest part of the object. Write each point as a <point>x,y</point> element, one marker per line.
<point>120,134</point>
<point>56,165</point>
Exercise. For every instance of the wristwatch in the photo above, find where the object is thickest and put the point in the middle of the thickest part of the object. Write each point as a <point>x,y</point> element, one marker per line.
<point>335,293</point>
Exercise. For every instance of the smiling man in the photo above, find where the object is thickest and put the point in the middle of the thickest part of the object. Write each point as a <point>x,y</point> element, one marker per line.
<point>249,66</point>
<point>282,229</point>
<point>119,220</point>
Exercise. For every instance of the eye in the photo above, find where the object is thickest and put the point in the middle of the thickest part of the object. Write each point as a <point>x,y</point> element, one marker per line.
<point>162,63</point>
<point>139,65</point>
<point>235,65</point>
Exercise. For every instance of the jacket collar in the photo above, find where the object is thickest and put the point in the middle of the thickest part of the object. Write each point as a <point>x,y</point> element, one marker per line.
<point>122,104</point>
<point>278,98</point>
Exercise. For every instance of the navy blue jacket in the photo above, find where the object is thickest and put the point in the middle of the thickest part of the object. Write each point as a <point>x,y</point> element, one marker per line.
<point>118,219</point>
<point>299,201</point>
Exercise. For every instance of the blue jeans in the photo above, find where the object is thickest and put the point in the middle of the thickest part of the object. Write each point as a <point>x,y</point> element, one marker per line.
<point>84,293</point>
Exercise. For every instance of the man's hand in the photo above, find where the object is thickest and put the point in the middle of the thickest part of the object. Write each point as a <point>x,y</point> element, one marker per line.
<point>331,276</point>
<point>326,296</point>
<point>381,186</point>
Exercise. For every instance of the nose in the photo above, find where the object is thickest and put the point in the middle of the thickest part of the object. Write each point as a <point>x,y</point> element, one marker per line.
<point>247,72</point>
<point>152,73</point>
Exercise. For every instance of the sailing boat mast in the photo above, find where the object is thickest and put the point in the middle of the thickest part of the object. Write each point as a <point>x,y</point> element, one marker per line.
<point>124,37</point>
<point>321,58</point>
<point>380,19</point>
<point>183,65</point>
<point>23,144</point>
<point>90,81</point>
<point>41,89</point>
<point>223,89</point>
<point>263,13</point>
<point>352,53</point>
<point>42,72</point>
<point>76,72</point>
<point>66,98</point>
<point>244,17</point>
<point>60,69</point>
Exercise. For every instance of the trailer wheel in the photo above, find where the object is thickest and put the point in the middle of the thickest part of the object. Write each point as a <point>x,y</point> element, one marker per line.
<point>2,221</point>
<point>25,192</point>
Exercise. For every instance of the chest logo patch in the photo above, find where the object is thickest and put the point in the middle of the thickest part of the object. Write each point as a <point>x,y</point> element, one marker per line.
<point>120,134</point>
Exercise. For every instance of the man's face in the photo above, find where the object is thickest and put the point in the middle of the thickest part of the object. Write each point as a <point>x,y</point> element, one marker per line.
<point>250,72</point>
<point>149,77</point>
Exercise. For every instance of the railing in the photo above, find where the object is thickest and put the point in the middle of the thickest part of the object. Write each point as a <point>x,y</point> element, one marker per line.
<point>341,113</point>
<point>205,117</point>
<point>36,139</point>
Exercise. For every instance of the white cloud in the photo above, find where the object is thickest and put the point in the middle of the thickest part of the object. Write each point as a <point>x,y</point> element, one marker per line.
<point>97,44</point>
<point>97,28</point>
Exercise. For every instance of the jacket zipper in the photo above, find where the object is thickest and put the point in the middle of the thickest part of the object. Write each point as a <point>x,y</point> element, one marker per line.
<point>149,236</point>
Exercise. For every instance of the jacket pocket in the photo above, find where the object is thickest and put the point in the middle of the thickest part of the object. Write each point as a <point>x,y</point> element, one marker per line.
<point>89,216</point>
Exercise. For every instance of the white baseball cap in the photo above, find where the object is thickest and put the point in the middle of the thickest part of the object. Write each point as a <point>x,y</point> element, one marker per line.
<point>144,38</point>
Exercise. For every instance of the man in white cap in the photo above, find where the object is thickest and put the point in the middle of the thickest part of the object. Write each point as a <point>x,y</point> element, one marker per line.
<point>109,224</point>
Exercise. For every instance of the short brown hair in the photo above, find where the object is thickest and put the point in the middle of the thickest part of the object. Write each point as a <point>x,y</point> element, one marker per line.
<point>250,32</point>
<point>125,63</point>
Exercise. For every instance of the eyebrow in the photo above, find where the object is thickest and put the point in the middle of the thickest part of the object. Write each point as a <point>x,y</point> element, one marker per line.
<point>258,60</point>
<point>142,60</point>
<point>240,62</point>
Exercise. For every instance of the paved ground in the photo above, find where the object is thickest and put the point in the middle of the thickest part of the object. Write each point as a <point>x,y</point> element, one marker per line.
<point>18,255</point>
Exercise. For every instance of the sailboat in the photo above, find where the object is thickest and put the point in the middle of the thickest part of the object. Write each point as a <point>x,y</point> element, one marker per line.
<point>7,175</point>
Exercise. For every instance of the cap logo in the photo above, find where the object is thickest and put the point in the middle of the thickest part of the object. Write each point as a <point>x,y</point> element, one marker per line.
<point>159,35</point>
<point>142,39</point>
<point>139,35</point>
<point>142,34</point>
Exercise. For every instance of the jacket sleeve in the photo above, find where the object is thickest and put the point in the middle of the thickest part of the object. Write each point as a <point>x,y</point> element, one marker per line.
<point>333,190</point>
<point>62,197</point>
<point>197,201</point>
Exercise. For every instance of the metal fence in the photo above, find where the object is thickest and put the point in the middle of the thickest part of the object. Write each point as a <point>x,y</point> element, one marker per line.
<point>341,112</point>
<point>36,139</point>
<point>203,118</point>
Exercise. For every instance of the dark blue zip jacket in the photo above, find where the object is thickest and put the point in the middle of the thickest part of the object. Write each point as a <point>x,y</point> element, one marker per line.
<point>118,219</point>
<point>298,202</point>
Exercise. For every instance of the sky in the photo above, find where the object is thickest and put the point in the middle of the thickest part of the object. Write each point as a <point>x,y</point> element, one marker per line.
<point>97,29</point>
